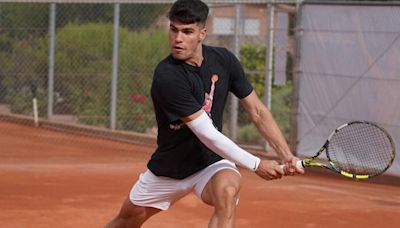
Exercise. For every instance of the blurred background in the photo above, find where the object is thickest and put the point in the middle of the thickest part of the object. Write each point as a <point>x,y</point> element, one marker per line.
<point>86,67</point>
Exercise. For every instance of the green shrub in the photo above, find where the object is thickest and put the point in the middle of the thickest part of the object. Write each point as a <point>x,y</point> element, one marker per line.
<point>252,58</point>
<point>249,134</point>
<point>82,77</point>
<point>23,74</point>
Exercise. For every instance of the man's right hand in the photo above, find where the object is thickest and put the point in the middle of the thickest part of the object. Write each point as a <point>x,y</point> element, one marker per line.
<point>269,170</point>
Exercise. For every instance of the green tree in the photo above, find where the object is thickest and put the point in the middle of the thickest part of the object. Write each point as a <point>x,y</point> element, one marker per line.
<point>24,20</point>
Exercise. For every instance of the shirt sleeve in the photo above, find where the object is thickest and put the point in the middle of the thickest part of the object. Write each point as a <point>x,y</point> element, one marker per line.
<point>240,86</point>
<point>172,92</point>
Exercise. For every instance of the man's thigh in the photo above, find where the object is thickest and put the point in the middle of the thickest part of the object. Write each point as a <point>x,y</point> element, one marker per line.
<point>129,210</point>
<point>158,192</point>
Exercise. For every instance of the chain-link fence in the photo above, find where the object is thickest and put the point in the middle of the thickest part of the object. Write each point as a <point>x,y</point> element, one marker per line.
<point>86,66</point>
<point>91,64</point>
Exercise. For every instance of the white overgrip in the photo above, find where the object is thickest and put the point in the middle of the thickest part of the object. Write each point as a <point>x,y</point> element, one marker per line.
<point>299,165</point>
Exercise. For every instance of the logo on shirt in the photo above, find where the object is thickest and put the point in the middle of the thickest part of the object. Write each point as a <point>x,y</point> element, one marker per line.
<point>208,100</point>
<point>207,105</point>
<point>177,126</point>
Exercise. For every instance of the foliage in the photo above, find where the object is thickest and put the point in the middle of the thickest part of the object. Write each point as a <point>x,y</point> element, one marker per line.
<point>82,77</point>
<point>281,104</point>
<point>34,18</point>
<point>281,107</point>
<point>134,17</point>
<point>86,78</point>
<point>22,75</point>
<point>26,19</point>
<point>249,134</point>
<point>252,58</point>
<point>142,16</point>
<point>83,64</point>
<point>140,54</point>
<point>83,71</point>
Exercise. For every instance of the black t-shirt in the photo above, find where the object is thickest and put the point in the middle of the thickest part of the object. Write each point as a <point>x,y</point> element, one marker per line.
<point>179,90</point>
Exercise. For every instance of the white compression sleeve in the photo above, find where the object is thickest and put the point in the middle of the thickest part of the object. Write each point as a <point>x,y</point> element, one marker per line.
<point>204,129</point>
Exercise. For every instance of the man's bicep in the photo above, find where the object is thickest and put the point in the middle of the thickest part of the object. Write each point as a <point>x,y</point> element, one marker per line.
<point>193,116</point>
<point>240,85</point>
<point>251,102</point>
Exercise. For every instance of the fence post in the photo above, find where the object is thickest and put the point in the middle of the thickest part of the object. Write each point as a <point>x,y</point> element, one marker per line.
<point>269,61</point>
<point>234,102</point>
<point>52,28</point>
<point>114,81</point>
<point>296,86</point>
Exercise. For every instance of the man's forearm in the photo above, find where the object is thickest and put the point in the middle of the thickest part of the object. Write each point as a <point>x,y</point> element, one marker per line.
<point>270,131</point>
<point>266,125</point>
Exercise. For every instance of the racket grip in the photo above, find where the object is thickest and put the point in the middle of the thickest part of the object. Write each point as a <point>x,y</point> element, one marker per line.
<point>299,165</point>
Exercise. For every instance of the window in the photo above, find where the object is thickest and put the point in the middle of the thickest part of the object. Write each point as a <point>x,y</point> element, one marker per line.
<point>252,27</point>
<point>223,26</point>
<point>226,26</point>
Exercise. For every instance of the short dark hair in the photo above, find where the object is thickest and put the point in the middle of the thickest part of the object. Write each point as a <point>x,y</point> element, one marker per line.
<point>189,12</point>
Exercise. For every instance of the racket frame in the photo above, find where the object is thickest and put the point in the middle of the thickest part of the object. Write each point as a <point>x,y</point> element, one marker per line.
<point>310,161</point>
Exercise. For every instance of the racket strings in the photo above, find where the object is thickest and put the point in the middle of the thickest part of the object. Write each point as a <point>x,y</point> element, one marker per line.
<point>361,148</point>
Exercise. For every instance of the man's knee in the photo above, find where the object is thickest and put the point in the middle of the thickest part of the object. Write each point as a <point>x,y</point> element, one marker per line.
<point>226,197</point>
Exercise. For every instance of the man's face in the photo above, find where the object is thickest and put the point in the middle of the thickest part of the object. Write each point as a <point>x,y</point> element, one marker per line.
<point>185,40</point>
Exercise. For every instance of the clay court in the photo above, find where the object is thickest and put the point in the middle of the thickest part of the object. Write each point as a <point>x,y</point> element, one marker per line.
<point>53,179</point>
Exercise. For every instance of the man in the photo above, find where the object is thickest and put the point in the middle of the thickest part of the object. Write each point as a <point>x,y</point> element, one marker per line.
<point>189,91</point>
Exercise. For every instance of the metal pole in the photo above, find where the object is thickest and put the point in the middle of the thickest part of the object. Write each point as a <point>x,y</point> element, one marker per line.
<point>233,116</point>
<point>269,57</point>
<point>52,29</point>
<point>269,61</point>
<point>114,81</point>
<point>296,78</point>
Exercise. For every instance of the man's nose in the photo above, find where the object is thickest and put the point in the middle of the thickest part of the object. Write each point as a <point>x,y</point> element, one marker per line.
<point>179,37</point>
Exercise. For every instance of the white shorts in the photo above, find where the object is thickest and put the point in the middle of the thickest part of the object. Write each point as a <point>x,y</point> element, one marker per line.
<point>161,192</point>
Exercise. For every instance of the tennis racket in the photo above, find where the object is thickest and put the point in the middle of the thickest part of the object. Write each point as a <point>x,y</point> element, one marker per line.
<point>358,150</point>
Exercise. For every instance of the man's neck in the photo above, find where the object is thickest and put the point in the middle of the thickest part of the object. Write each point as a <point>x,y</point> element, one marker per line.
<point>197,59</point>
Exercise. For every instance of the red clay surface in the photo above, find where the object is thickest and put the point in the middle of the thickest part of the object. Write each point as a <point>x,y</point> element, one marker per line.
<point>51,179</point>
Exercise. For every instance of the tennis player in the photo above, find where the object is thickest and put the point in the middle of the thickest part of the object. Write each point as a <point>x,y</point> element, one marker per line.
<point>189,92</point>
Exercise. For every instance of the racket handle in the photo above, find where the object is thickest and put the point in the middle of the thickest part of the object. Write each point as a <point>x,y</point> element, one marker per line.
<point>299,165</point>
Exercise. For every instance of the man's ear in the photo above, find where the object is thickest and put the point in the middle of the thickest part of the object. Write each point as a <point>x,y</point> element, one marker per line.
<point>203,34</point>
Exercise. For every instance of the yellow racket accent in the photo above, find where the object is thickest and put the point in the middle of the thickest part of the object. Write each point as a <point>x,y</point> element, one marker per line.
<point>352,148</point>
<point>350,175</point>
